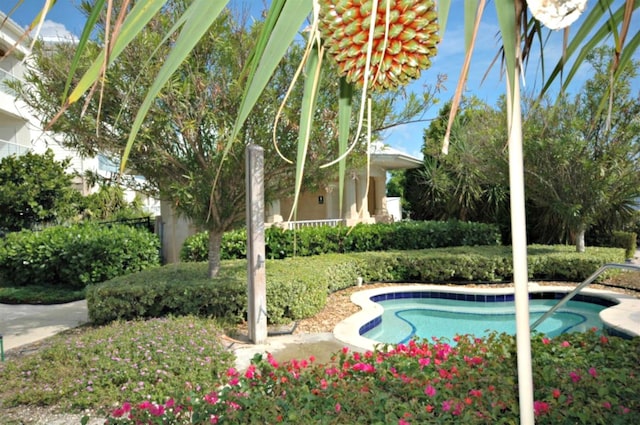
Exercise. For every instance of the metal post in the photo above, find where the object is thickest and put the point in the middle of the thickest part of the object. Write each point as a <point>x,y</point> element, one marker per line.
<point>257,287</point>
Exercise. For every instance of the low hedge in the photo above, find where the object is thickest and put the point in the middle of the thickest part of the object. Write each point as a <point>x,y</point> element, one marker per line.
<point>405,235</point>
<point>75,256</point>
<point>298,287</point>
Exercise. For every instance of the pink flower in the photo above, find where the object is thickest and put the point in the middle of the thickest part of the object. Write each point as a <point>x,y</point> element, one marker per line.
<point>363,367</point>
<point>475,393</point>
<point>546,341</point>
<point>214,419</point>
<point>271,360</point>
<point>403,422</point>
<point>211,398</point>
<point>446,405</point>
<point>232,371</point>
<point>156,410</point>
<point>604,339</point>
<point>430,390</point>
<point>555,393</point>
<point>251,371</point>
<point>593,372</point>
<point>145,405</point>
<point>170,403</point>
<point>540,407</point>
<point>606,405</point>
<point>575,377</point>
<point>323,384</point>
<point>424,361</point>
<point>565,344</point>
<point>338,407</point>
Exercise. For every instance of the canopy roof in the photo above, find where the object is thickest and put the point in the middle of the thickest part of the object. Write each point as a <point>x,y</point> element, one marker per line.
<point>392,159</point>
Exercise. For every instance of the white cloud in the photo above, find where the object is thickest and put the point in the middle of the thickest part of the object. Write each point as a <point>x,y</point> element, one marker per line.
<point>55,32</point>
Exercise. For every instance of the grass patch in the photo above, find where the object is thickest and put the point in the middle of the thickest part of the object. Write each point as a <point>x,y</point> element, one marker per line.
<point>122,361</point>
<point>39,294</point>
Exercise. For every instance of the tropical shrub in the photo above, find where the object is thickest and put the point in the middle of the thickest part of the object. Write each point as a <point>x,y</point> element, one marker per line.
<point>75,256</point>
<point>36,190</point>
<point>469,381</point>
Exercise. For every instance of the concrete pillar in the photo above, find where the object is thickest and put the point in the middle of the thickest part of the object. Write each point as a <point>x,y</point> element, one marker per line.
<point>273,212</point>
<point>257,280</point>
<point>381,197</point>
<point>332,203</point>
<point>350,205</point>
<point>363,198</point>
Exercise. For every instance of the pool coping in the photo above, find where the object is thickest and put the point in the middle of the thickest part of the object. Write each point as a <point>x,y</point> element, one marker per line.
<point>624,317</point>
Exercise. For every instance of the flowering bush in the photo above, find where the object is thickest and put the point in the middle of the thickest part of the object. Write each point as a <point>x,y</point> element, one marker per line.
<point>578,378</point>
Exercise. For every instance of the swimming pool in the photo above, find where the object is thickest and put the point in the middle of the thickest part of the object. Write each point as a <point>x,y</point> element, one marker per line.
<point>618,314</point>
<point>437,316</point>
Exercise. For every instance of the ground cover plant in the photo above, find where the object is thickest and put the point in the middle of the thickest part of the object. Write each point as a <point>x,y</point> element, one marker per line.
<point>579,378</point>
<point>134,360</point>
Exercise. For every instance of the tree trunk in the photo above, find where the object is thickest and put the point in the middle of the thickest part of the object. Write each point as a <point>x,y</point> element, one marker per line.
<point>580,239</point>
<point>215,240</point>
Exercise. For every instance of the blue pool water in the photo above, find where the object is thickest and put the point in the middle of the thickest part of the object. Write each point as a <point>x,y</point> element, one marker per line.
<point>418,317</point>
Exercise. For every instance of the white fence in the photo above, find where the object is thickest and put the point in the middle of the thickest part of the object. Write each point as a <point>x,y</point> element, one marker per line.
<point>291,225</point>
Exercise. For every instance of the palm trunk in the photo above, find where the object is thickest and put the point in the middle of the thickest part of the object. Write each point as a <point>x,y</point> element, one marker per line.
<point>215,241</point>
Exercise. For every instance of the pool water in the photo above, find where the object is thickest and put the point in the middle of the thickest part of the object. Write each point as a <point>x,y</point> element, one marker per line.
<point>407,318</point>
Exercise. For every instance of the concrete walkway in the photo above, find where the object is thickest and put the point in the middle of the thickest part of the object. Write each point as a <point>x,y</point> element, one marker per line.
<point>24,323</point>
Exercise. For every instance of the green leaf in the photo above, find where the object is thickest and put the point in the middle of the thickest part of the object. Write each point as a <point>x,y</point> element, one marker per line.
<point>84,37</point>
<point>470,11</point>
<point>443,15</point>
<point>133,25</point>
<point>506,12</point>
<point>199,17</point>
<point>309,97</point>
<point>581,35</point>
<point>282,25</point>
<point>344,121</point>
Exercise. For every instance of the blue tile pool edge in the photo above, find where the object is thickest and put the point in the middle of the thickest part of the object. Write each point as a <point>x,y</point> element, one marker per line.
<point>619,319</point>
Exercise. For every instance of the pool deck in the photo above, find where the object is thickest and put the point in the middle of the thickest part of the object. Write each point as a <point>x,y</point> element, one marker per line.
<point>624,317</point>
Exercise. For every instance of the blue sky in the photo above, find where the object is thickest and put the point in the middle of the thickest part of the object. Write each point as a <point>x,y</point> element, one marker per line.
<point>65,19</point>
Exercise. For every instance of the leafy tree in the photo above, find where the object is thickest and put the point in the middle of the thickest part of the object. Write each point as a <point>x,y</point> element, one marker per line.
<point>470,182</point>
<point>109,203</point>
<point>180,148</point>
<point>582,169</point>
<point>34,190</point>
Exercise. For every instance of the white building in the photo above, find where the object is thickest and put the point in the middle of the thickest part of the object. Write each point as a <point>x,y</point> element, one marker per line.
<point>21,131</point>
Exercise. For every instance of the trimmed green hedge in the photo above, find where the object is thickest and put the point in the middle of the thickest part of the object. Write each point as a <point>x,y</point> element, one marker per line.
<point>298,287</point>
<point>405,235</point>
<point>75,256</point>
<point>627,240</point>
